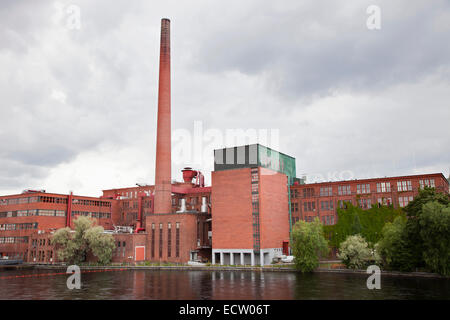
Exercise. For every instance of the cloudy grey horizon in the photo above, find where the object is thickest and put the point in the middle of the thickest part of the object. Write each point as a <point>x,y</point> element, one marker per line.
<point>79,105</point>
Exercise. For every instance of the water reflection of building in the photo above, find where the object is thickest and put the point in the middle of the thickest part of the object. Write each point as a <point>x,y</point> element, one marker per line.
<point>252,285</point>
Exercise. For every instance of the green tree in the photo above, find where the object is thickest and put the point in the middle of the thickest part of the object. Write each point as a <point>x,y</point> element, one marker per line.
<point>355,252</point>
<point>414,243</point>
<point>101,244</point>
<point>309,245</point>
<point>73,246</point>
<point>435,233</point>
<point>394,246</point>
<point>356,227</point>
<point>422,240</point>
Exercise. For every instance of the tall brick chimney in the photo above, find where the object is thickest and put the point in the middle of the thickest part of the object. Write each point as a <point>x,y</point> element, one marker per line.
<point>163,185</point>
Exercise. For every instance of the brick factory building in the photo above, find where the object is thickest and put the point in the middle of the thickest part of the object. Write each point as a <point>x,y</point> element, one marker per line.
<point>322,199</point>
<point>244,217</point>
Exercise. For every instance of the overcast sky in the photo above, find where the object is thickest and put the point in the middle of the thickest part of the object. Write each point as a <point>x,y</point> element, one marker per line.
<point>78,102</point>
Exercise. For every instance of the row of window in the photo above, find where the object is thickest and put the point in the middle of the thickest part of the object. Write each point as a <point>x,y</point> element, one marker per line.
<point>49,199</point>
<point>5,202</point>
<point>98,215</point>
<point>383,187</point>
<point>41,242</point>
<point>403,201</point>
<point>326,191</point>
<point>13,240</point>
<point>94,203</point>
<point>255,206</point>
<point>326,220</point>
<point>309,206</point>
<point>40,255</point>
<point>404,186</point>
<point>169,240</point>
<point>385,201</point>
<point>344,190</point>
<point>18,226</point>
<point>365,203</point>
<point>364,188</point>
<point>33,212</point>
<point>326,205</point>
<point>426,183</point>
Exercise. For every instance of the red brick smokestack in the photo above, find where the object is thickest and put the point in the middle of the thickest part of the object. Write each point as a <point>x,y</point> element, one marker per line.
<point>163,185</point>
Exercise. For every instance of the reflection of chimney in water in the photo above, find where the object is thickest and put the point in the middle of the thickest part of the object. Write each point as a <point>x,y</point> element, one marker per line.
<point>163,185</point>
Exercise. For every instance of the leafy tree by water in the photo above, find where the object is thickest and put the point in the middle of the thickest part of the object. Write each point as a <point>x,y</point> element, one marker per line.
<point>435,233</point>
<point>73,246</point>
<point>355,252</point>
<point>415,243</point>
<point>422,240</point>
<point>393,247</point>
<point>309,245</point>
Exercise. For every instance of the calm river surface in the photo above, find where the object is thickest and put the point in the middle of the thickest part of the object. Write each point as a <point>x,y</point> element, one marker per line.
<point>149,284</point>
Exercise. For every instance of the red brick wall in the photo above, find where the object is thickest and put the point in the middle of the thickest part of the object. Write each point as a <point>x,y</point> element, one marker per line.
<point>123,253</point>
<point>440,183</point>
<point>232,209</point>
<point>188,236</point>
<point>273,208</point>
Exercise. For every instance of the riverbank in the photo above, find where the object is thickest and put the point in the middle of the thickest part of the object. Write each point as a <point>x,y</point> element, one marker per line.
<point>289,268</point>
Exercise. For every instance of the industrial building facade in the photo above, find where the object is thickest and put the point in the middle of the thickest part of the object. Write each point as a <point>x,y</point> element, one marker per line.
<point>244,217</point>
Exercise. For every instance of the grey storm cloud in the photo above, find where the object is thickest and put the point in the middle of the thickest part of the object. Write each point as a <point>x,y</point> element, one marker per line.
<point>316,48</point>
<point>343,97</point>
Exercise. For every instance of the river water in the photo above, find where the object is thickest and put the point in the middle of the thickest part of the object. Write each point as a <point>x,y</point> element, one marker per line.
<point>153,284</point>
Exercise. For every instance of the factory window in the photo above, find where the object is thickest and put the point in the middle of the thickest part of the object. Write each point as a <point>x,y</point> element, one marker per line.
<point>255,176</point>
<point>403,201</point>
<point>364,203</point>
<point>169,239</point>
<point>326,191</point>
<point>153,240</point>
<point>383,187</point>
<point>60,213</point>
<point>426,183</point>
<point>255,197</point>
<point>254,187</point>
<point>404,186</point>
<point>309,206</point>
<point>177,240</point>
<point>46,212</point>
<point>294,193</point>
<point>344,190</point>
<point>22,213</point>
<point>343,203</point>
<point>308,192</point>
<point>326,205</point>
<point>363,188</point>
<point>295,207</point>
